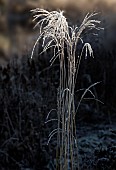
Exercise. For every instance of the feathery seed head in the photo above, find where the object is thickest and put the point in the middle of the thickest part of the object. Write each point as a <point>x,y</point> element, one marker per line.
<point>89,49</point>
<point>55,29</point>
<point>55,22</point>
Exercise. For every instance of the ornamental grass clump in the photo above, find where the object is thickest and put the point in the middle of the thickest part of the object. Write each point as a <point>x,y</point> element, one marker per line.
<point>57,34</point>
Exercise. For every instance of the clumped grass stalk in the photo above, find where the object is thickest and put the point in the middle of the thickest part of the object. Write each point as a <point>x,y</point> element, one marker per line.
<point>57,34</point>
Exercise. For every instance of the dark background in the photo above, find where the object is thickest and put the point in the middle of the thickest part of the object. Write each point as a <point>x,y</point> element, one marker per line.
<point>28,89</point>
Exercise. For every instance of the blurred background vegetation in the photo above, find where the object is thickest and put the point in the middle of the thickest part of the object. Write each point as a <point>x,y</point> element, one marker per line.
<point>28,90</point>
<point>16,28</point>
